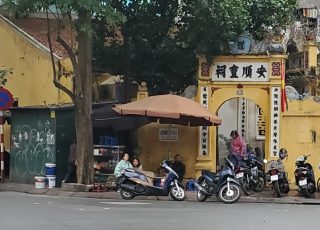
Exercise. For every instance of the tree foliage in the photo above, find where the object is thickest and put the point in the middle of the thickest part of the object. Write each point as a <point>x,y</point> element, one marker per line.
<point>162,37</point>
<point>147,50</point>
<point>4,73</point>
<point>209,25</point>
<point>269,13</point>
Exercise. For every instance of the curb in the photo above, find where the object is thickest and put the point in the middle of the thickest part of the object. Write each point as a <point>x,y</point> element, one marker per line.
<point>190,196</point>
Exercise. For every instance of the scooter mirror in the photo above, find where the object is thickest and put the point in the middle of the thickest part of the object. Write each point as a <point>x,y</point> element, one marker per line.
<point>265,161</point>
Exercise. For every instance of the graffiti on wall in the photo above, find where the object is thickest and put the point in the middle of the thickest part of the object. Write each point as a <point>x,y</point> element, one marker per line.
<point>32,147</point>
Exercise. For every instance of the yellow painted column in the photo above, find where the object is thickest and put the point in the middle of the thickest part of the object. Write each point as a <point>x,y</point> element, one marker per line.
<point>310,49</point>
<point>206,158</point>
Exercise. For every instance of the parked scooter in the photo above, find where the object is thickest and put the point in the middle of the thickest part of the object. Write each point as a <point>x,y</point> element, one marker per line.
<point>304,176</point>
<point>221,184</point>
<point>250,176</point>
<point>276,174</point>
<point>133,183</point>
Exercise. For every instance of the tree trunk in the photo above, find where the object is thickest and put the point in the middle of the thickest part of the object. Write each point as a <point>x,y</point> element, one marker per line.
<point>83,101</point>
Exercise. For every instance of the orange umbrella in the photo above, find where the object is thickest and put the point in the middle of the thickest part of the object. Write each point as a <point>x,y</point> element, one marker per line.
<point>170,109</point>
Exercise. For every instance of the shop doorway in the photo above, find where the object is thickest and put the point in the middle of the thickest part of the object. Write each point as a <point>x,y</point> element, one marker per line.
<point>245,116</point>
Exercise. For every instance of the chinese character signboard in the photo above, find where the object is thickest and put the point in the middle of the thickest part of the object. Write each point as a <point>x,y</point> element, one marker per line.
<point>276,69</point>
<point>242,116</point>
<point>170,134</point>
<point>240,71</point>
<point>205,70</point>
<point>204,130</point>
<point>261,124</point>
<point>275,120</point>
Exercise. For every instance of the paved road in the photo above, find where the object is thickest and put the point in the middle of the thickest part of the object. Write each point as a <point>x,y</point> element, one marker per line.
<point>35,212</point>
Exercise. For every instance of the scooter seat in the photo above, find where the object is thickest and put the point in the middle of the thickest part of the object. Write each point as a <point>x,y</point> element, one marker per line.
<point>210,174</point>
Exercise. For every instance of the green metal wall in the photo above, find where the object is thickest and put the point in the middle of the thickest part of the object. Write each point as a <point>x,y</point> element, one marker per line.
<point>33,137</point>
<point>65,131</point>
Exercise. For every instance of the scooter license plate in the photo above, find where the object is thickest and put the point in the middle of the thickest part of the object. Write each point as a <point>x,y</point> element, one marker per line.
<point>239,175</point>
<point>303,182</point>
<point>274,177</point>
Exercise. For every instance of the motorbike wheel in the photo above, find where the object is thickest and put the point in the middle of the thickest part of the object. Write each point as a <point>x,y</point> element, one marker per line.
<point>201,196</point>
<point>318,185</point>
<point>177,193</point>
<point>309,190</point>
<point>246,188</point>
<point>305,193</point>
<point>284,188</point>
<point>230,196</point>
<point>276,188</point>
<point>259,185</point>
<point>126,195</point>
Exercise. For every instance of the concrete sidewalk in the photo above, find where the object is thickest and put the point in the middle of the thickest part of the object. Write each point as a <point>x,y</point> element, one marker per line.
<point>74,190</point>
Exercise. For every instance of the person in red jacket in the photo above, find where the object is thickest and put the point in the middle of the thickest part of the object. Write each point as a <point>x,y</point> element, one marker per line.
<point>238,147</point>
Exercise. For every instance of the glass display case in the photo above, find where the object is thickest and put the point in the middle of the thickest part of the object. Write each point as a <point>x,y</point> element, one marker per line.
<point>105,160</point>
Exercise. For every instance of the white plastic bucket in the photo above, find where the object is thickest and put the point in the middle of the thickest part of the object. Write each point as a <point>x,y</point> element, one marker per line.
<point>51,181</point>
<point>40,182</point>
<point>50,169</point>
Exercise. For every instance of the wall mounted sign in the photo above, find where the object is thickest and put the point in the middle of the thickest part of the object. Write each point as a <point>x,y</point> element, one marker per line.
<point>168,134</point>
<point>275,121</point>
<point>204,130</point>
<point>242,116</point>
<point>205,69</point>
<point>261,124</point>
<point>276,69</point>
<point>6,99</point>
<point>240,71</point>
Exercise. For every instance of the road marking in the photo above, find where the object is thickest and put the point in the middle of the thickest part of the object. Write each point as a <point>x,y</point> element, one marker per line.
<point>106,208</point>
<point>36,203</point>
<point>282,210</point>
<point>124,203</point>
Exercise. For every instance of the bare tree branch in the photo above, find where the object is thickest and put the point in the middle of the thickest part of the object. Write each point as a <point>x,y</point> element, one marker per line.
<point>70,53</point>
<point>55,77</point>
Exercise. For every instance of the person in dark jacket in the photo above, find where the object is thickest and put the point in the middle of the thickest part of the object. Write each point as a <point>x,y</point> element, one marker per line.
<point>178,167</point>
<point>6,156</point>
<point>72,167</point>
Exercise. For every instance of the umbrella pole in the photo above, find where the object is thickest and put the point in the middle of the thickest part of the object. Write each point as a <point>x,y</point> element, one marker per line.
<point>168,144</point>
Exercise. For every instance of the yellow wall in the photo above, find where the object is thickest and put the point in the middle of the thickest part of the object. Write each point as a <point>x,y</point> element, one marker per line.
<point>155,151</point>
<point>31,82</point>
<point>298,123</point>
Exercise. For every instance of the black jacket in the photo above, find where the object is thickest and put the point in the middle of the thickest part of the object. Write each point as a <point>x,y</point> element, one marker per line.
<point>179,168</point>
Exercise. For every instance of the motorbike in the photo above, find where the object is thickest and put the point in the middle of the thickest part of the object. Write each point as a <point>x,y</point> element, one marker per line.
<point>133,183</point>
<point>304,177</point>
<point>276,174</point>
<point>250,175</point>
<point>221,184</point>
